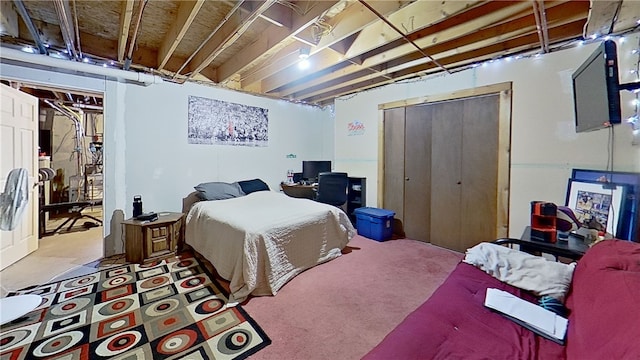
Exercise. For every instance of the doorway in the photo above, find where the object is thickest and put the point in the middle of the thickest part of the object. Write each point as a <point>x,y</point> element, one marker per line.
<point>70,187</point>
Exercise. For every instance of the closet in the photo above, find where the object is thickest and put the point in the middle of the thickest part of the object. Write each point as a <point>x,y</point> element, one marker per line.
<point>445,166</point>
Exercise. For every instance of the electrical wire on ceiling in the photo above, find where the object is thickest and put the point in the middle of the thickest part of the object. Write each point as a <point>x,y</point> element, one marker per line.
<point>294,6</point>
<point>320,28</point>
<point>381,17</point>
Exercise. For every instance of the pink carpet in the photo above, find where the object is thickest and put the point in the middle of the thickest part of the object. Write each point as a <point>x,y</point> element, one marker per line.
<point>343,308</point>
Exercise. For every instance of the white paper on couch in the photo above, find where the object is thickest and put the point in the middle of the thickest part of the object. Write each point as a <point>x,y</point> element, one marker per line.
<point>537,319</point>
<point>522,270</point>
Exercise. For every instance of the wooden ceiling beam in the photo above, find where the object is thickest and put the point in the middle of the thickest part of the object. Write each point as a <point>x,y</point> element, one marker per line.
<point>236,25</point>
<point>126,14</point>
<point>143,57</point>
<point>279,15</point>
<point>342,28</point>
<point>453,38</point>
<point>272,36</point>
<point>353,19</point>
<point>186,14</point>
<point>527,42</point>
<point>602,17</point>
<point>423,15</point>
<point>8,19</point>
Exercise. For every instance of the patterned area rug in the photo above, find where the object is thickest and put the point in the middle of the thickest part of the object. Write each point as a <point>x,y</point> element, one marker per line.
<point>171,309</point>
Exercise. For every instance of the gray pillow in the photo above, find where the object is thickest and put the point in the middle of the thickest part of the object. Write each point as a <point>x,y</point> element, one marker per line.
<point>218,190</point>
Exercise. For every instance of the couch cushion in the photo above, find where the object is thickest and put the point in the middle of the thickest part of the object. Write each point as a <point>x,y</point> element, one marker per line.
<point>454,324</point>
<point>604,320</point>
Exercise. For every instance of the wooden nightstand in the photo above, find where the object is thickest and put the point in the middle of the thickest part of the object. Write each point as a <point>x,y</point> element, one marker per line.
<point>145,241</point>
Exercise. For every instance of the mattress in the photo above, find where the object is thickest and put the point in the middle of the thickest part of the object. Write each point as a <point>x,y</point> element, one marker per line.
<point>260,241</point>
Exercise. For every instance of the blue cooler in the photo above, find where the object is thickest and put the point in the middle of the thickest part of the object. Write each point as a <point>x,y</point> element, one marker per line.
<point>374,223</point>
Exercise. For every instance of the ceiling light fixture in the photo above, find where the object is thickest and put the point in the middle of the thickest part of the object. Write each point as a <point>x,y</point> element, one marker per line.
<point>303,53</point>
<point>303,64</point>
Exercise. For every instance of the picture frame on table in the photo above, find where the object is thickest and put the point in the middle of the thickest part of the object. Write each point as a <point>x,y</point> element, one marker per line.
<point>601,201</point>
<point>628,229</point>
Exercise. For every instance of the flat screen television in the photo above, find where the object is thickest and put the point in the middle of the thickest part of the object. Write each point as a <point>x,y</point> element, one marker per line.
<point>596,90</point>
<point>311,169</point>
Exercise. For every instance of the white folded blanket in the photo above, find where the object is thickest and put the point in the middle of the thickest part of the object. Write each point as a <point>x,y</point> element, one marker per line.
<point>522,270</point>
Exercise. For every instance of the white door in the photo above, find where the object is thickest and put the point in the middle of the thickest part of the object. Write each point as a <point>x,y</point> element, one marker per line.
<point>19,149</point>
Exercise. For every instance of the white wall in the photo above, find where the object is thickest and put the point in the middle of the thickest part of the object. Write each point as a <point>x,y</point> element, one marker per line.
<point>544,145</point>
<point>150,140</point>
<point>163,167</point>
<point>145,142</point>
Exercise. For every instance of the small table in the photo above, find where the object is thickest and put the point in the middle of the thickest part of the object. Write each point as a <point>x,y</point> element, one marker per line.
<point>573,247</point>
<point>153,240</point>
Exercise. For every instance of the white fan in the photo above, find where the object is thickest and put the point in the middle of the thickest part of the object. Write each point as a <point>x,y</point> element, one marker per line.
<point>14,199</point>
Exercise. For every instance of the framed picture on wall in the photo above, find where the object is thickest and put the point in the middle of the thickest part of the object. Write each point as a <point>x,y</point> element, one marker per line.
<point>597,201</point>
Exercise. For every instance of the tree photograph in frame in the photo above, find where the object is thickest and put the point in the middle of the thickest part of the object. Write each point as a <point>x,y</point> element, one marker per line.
<point>599,201</point>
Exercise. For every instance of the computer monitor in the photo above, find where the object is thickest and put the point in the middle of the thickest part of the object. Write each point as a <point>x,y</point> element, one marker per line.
<point>311,169</point>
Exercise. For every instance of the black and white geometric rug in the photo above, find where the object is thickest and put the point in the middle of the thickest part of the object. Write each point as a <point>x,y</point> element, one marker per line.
<point>170,309</point>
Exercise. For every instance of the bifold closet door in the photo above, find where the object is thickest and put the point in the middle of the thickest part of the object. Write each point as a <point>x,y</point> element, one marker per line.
<point>446,185</point>
<point>393,172</point>
<point>407,167</point>
<point>464,172</point>
<point>417,172</point>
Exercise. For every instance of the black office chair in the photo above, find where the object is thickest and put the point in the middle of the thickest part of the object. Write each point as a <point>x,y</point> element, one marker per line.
<point>332,188</point>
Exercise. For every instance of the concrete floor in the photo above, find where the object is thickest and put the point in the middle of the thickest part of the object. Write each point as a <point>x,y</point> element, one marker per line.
<point>62,255</point>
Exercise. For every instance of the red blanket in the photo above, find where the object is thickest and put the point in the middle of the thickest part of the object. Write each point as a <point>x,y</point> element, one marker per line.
<point>604,320</point>
<point>604,301</point>
<point>454,324</point>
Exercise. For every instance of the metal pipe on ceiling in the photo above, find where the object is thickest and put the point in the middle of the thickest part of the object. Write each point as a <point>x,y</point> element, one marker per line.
<point>48,61</point>
<point>132,44</point>
<point>541,24</point>
<point>67,27</point>
<point>381,17</point>
<point>32,28</point>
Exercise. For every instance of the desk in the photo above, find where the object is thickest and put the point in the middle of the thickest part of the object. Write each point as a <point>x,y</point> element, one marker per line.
<point>572,248</point>
<point>299,191</point>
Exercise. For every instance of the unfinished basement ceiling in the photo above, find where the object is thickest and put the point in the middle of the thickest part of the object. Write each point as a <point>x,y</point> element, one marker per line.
<point>255,46</point>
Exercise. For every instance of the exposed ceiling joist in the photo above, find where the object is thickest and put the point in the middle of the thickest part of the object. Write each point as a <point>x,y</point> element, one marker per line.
<point>186,14</point>
<point>273,36</point>
<point>253,45</point>
<point>226,36</point>
<point>125,22</point>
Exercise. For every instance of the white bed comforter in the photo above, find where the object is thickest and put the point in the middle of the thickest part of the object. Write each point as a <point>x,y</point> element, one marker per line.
<point>260,241</point>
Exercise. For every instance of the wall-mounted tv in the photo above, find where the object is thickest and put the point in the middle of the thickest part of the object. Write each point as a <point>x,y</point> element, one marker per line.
<point>596,90</point>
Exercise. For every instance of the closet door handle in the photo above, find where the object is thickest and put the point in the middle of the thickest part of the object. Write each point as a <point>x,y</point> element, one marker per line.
<point>406,179</point>
<point>459,182</point>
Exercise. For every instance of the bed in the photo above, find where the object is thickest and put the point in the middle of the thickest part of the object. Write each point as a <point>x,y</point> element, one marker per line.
<point>261,240</point>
